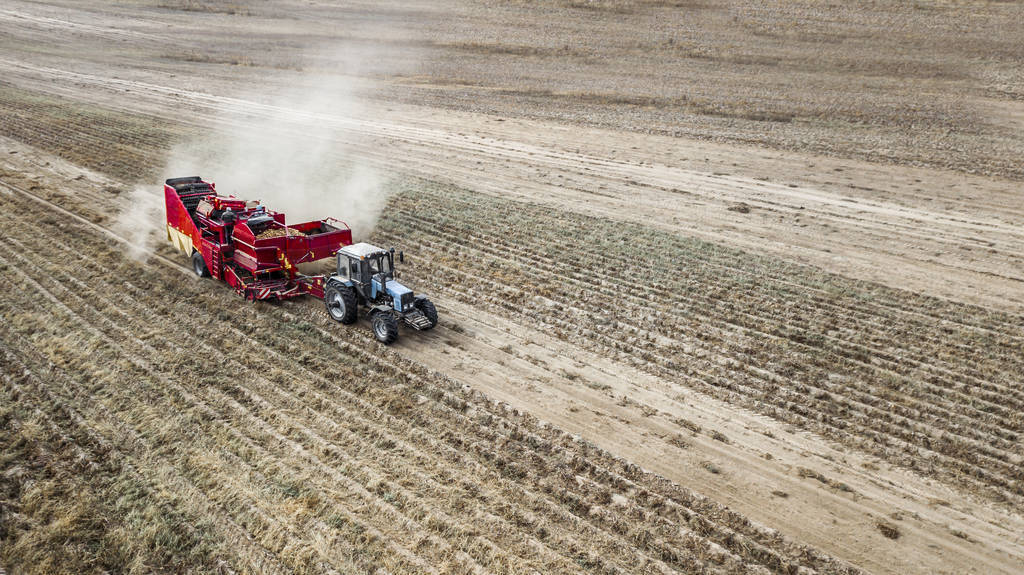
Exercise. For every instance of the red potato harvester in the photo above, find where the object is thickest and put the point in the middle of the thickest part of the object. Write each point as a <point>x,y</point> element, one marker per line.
<point>253,250</point>
<point>245,244</point>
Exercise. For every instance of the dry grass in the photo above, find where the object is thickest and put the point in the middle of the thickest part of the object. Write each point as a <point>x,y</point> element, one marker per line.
<point>308,448</point>
<point>65,510</point>
<point>265,60</point>
<point>200,57</point>
<point>209,7</point>
<point>888,529</point>
<point>125,146</point>
<point>311,449</point>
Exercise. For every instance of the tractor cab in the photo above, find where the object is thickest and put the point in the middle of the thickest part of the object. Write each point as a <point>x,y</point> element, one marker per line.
<point>362,264</point>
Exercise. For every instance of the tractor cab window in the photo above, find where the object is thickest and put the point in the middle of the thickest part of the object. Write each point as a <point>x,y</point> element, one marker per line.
<point>380,264</point>
<point>354,269</point>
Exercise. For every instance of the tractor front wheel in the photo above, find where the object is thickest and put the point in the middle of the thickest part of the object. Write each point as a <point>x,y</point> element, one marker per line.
<point>427,307</point>
<point>341,304</point>
<point>385,327</point>
<point>199,266</point>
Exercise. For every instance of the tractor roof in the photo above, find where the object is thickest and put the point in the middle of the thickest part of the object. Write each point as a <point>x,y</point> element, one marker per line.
<point>360,250</point>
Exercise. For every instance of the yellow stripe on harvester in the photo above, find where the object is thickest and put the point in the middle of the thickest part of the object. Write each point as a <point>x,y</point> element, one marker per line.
<point>182,241</point>
<point>283,258</point>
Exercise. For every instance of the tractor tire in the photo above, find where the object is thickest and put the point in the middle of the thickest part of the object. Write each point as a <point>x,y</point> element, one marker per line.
<point>341,304</point>
<point>427,307</point>
<point>199,266</point>
<point>385,327</point>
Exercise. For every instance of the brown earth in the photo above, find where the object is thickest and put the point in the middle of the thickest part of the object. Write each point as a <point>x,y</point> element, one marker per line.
<point>629,376</point>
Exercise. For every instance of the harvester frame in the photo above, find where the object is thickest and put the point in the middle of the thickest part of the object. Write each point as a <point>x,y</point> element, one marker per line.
<point>245,244</point>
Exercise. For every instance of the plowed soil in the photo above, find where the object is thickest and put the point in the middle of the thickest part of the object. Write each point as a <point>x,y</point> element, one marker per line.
<point>723,289</point>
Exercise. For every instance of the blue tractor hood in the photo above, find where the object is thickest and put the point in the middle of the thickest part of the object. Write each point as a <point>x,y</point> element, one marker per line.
<point>397,291</point>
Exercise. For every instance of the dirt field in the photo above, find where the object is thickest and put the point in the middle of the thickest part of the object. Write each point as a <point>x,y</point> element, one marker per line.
<point>724,287</point>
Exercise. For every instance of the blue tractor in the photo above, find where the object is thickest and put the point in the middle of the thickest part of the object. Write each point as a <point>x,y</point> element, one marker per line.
<point>366,276</point>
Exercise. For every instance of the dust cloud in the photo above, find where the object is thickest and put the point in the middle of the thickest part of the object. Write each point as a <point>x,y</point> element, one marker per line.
<point>140,221</point>
<point>294,150</point>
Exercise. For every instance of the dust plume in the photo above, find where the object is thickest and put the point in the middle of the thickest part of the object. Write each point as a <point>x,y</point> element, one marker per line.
<point>139,221</point>
<point>294,151</point>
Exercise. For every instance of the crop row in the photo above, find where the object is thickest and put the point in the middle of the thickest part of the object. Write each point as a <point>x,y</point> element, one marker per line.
<point>929,387</point>
<point>428,473</point>
<point>125,147</point>
<point>809,348</point>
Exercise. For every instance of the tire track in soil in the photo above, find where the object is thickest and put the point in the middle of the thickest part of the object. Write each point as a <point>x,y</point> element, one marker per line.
<point>465,252</point>
<point>987,407</point>
<point>642,293</point>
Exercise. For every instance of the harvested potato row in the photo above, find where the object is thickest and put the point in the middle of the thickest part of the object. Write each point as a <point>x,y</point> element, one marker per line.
<point>890,372</point>
<point>333,440</point>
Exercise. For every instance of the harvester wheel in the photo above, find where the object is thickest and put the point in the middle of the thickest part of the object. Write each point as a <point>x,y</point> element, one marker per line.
<point>341,304</point>
<point>199,266</point>
<point>427,307</point>
<point>385,327</point>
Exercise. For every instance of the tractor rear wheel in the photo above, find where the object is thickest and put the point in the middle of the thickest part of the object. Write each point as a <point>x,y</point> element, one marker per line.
<point>385,327</point>
<point>341,304</point>
<point>427,307</point>
<point>199,266</point>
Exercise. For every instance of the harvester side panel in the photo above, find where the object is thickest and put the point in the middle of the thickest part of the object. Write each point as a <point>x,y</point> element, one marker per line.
<point>256,254</point>
<point>318,240</point>
<point>211,255</point>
